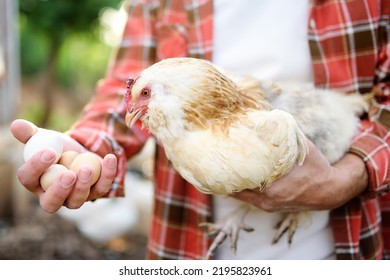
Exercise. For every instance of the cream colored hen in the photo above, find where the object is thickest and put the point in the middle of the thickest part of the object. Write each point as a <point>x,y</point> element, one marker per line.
<point>224,134</point>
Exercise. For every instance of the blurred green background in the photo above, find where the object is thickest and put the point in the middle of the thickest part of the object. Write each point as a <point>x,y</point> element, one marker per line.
<point>64,50</point>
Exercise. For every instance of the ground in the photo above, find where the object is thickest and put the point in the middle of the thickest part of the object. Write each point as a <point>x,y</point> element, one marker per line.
<point>43,236</point>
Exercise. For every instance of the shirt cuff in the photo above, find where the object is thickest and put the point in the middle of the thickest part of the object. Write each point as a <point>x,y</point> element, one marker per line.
<point>372,145</point>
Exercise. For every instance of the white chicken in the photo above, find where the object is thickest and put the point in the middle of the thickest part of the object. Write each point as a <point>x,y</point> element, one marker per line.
<point>224,136</point>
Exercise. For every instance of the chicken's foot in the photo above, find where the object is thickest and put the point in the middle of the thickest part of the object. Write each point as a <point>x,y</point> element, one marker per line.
<point>289,223</point>
<point>229,227</point>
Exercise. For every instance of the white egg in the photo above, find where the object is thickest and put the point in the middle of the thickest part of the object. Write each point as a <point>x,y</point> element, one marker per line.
<point>41,140</point>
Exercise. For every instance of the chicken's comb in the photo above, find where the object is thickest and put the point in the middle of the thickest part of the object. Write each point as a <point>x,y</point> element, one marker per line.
<point>129,84</point>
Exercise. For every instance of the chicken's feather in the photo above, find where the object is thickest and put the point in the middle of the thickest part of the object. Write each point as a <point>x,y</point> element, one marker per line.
<point>252,152</point>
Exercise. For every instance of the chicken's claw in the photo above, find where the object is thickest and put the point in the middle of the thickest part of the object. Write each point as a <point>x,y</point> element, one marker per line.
<point>229,228</point>
<point>288,223</point>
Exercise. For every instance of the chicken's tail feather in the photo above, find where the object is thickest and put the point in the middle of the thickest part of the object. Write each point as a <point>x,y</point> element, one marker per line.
<point>361,103</point>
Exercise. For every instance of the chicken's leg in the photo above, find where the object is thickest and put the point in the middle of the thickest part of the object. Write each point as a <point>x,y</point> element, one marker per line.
<point>230,227</point>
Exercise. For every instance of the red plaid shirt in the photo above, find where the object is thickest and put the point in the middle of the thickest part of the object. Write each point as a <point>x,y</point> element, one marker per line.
<point>350,50</point>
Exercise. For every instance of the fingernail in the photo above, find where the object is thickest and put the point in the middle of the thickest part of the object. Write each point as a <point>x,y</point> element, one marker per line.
<point>66,181</point>
<point>112,163</point>
<point>47,156</point>
<point>85,175</point>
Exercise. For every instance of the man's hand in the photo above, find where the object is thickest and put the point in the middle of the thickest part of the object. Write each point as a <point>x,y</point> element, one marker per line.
<point>316,185</point>
<point>71,189</point>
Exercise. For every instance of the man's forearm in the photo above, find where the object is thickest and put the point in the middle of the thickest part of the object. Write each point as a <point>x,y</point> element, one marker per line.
<point>351,178</point>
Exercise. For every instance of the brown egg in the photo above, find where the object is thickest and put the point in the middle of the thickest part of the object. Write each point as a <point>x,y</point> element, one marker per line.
<point>50,175</point>
<point>91,159</point>
<point>67,158</point>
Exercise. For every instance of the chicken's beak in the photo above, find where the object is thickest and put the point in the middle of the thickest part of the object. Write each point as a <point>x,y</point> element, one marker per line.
<point>134,115</point>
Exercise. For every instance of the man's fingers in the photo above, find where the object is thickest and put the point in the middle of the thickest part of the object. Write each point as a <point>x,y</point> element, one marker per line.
<point>29,173</point>
<point>247,195</point>
<point>23,130</point>
<point>83,191</point>
<point>259,199</point>
<point>103,185</point>
<point>55,196</point>
<point>81,188</point>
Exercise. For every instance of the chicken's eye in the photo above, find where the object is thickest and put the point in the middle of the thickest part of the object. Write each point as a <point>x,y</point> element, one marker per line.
<point>145,92</point>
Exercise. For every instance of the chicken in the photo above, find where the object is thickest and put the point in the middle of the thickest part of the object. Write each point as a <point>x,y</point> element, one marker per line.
<point>226,134</point>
